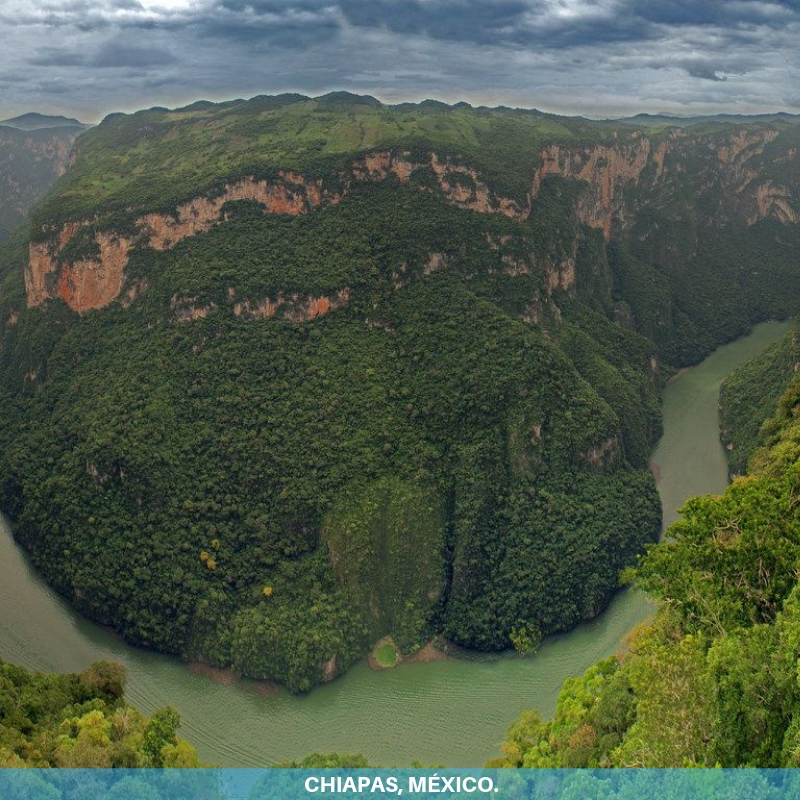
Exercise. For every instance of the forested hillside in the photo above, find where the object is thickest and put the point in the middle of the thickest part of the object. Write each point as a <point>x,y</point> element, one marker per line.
<point>749,396</point>
<point>713,680</point>
<point>259,357</point>
<point>82,720</point>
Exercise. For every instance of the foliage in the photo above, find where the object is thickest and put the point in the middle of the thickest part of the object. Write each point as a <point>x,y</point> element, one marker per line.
<point>750,394</point>
<point>386,655</point>
<point>713,681</point>
<point>82,720</point>
<point>167,471</point>
<point>240,458</point>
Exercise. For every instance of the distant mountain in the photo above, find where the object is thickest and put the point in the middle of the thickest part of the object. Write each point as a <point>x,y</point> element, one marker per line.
<point>35,122</point>
<point>30,162</point>
<point>666,120</point>
<point>34,150</point>
<point>281,377</point>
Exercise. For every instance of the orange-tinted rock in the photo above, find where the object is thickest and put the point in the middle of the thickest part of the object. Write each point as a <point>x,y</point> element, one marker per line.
<point>94,283</point>
<point>185,309</point>
<point>771,200</point>
<point>606,170</point>
<point>291,196</point>
<point>294,308</point>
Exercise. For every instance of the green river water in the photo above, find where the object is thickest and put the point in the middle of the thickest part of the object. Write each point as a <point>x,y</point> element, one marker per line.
<point>452,712</point>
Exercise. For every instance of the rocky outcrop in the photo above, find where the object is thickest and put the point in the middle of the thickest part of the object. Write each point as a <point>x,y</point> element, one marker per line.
<point>434,263</point>
<point>30,161</point>
<point>82,284</point>
<point>561,277</point>
<point>460,184</point>
<point>294,307</point>
<point>92,283</point>
<point>771,200</point>
<point>186,309</point>
<point>609,171</point>
<point>741,144</point>
<point>291,194</point>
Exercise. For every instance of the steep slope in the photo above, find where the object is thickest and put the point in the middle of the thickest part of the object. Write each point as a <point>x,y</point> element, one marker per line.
<point>288,375</point>
<point>713,681</point>
<point>79,721</point>
<point>749,396</point>
<point>30,162</point>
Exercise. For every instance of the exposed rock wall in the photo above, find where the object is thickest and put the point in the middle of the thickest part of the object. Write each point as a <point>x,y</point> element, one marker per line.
<point>654,167</point>
<point>290,195</point>
<point>294,307</point>
<point>30,161</point>
<point>607,171</point>
<point>93,283</point>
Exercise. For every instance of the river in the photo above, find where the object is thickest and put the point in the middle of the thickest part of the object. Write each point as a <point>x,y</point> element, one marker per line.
<point>452,712</point>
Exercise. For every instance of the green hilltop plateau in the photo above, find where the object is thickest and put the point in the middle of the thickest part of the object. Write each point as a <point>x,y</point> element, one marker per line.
<point>281,377</point>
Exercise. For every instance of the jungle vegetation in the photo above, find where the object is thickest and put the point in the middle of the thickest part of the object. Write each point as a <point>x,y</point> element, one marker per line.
<point>713,681</point>
<point>82,720</point>
<point>458,446</point>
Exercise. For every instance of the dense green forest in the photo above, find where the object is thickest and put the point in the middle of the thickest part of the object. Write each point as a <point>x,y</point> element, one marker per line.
<point>82,720</point>
<point>749,396</point>
<point>713,680</point>
<point>456,367</point>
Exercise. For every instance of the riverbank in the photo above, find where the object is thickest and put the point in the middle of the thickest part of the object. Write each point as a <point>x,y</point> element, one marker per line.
<point>452,711</point>
<point>429,652</point>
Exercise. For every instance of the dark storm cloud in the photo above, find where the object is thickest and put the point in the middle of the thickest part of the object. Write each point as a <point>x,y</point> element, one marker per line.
<point>704,71</point>
<point>122,54</point>
<point>457,20</point>
<point>518,23</point>
<point>593,54</point>
<point>294,27</point>
<point>723,13</point>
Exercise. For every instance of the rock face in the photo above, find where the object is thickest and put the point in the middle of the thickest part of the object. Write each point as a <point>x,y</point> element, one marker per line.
<point>294,307</point>
<point>30,161</point>
<point>662,168</point>
<point>616,178</point>
<point>291,194</point>
<point>607,171</point>
<point>82,284</point>
<point>90,283</point>
<point>460,184</point>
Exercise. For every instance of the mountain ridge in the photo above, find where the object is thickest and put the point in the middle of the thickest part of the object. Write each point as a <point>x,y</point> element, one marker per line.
<point>33,121</point>
<point>265,352</point>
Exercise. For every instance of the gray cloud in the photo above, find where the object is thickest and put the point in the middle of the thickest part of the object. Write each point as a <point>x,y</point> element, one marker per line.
<point>591,56</point>
<point>122,54</point>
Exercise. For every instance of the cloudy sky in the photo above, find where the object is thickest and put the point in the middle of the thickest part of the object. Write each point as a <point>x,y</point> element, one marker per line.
<point>87,58</point>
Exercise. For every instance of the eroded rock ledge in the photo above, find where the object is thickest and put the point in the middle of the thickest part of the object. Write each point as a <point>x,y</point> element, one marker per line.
<point>606,170</point>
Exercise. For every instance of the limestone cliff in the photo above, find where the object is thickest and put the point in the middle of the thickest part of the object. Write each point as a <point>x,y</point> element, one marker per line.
<point>619,178</point>
<point>92,283</point>
<point>30,161</point>
<point>659,170</point>
<point>607,171</point>
<point>293,307</point>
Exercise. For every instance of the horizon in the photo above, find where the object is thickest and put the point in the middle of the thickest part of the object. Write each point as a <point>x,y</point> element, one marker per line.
<point>5,118</point>
<point>598,59</point>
